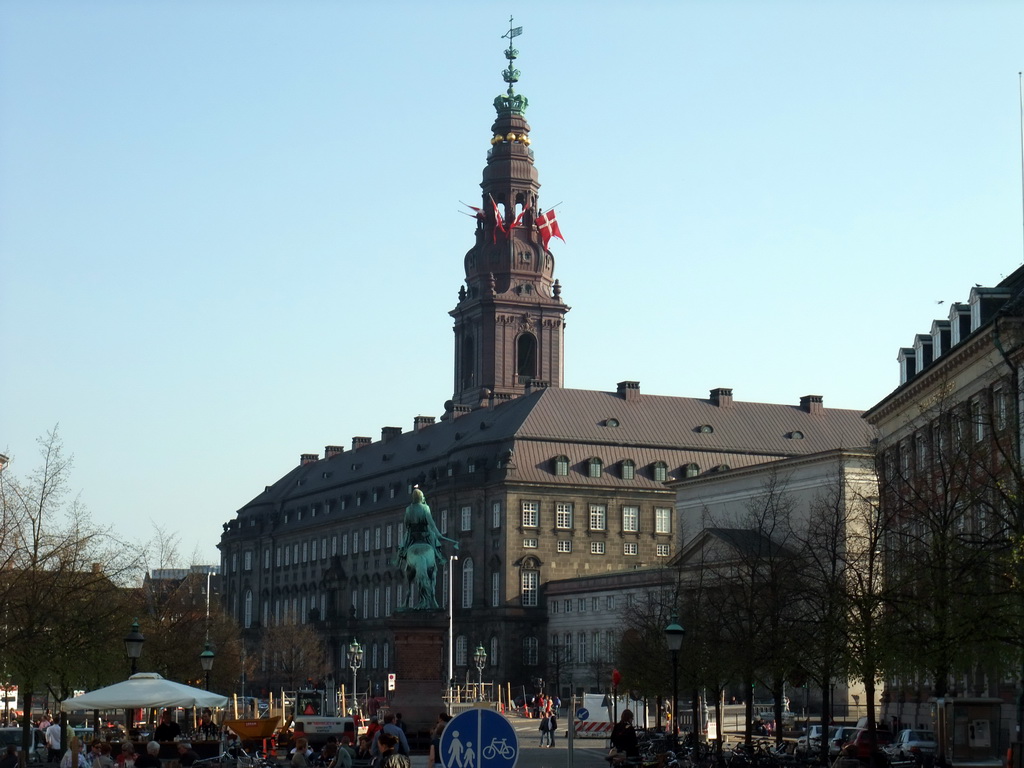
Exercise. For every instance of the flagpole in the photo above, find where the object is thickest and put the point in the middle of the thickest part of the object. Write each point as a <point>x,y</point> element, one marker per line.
<point>1020,94</point>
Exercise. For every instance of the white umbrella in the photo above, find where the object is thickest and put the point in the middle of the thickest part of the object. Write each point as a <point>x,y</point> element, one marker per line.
<point>144,689</point>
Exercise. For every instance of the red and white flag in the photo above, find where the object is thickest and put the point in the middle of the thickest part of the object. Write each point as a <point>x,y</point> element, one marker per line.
<point>519,219</point>
<point>548,227</point>
<point>499,222</point>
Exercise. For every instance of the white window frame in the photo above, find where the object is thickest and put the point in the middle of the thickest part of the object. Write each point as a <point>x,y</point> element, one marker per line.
<point>662,550</point>
<point>564,545</point>
<point>630,548</point>
<point>531,514</point>
<point>531,543</point>
<point>496,514</point>
<point>631,518</point>
<point>466,518</point>
<point>597,547</point>
<point>563,515</point>
<point>467,582</point>
<point>529,587</point>
<point>598,517</point>
<point>663,519</point>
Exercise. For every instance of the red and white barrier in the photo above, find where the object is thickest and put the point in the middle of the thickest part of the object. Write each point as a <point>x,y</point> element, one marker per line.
<point>590,729</point>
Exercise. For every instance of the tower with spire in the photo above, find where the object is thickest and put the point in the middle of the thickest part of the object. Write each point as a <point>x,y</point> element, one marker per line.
<point>510,319</point>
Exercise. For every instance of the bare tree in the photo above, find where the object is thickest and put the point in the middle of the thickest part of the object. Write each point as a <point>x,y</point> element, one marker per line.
<point>62,582</point>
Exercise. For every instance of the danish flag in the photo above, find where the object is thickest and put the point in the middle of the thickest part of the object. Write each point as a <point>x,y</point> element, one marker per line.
<point>549,227</point>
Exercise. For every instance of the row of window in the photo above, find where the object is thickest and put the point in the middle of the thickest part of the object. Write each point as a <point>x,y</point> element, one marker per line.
<point>597,517</point>
<point>565,605</point>
<point>627,468</point>
<point>584,647</point>
<point>597,547</point>
<point>954,430</point>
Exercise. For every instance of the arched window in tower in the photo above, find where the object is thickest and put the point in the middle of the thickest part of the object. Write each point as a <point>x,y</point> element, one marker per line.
<point>468,362</point>
<point>526,358</point>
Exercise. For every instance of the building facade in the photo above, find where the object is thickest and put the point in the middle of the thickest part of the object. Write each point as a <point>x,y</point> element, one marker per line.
<point>950,472</point>
<point>537,482</point>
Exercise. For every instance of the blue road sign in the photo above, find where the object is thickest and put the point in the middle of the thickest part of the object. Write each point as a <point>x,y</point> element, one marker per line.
<point>582,713</point>
<point>479,738</point>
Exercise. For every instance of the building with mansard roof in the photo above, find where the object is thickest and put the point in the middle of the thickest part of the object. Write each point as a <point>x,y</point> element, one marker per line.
<point>537,482</point>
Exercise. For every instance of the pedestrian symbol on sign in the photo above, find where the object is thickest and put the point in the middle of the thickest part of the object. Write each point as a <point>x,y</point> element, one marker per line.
<point>479,738</point>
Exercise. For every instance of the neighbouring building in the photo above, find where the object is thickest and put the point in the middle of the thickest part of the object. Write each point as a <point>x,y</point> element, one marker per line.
<point>950,469</point>
<point>536,481</point>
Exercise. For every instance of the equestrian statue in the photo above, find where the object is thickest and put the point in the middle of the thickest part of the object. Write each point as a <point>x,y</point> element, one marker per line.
<point>419,554</point>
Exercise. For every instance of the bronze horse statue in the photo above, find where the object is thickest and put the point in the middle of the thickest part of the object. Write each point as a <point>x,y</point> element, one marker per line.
<point>419,555</point>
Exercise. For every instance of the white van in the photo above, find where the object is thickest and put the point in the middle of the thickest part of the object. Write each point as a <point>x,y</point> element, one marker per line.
<point>316,729</point>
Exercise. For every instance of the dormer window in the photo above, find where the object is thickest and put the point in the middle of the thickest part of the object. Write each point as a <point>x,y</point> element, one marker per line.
<point>691,470</point>
<point>705,429</point>
<point>628,469</point>
<point>595,467</point>
<point>659,470</point>
<point>561,466</point>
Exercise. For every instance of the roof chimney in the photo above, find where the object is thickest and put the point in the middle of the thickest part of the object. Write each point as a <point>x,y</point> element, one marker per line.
<point>360,442</point>
<point>722,397</point>
<point>308,458</point>
<point>629,390</point>
<point>388,433</point>
<point>813,404</point>
<point>332,450</point>
<point>420,422</point>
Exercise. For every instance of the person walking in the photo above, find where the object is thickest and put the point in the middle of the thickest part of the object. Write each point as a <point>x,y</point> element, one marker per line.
<point>545,733</point>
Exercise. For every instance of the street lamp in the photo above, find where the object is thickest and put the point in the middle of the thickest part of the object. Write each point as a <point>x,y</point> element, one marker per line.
<point>133,644</point>
<point>355,661</point>
<point>206,659</point>
<point>674,640</point>
<point>480,659</point>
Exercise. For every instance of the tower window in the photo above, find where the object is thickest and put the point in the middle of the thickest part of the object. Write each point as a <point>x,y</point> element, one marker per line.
<point>468,362</point>
<point>526,357</point>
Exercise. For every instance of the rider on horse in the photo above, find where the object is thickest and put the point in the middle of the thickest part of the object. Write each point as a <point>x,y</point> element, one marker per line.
<point>419,563</point>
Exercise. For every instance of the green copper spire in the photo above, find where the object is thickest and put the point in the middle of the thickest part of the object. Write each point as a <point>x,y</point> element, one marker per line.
<point>511,103</point>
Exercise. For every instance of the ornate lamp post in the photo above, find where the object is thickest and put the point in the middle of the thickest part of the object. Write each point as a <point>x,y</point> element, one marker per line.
<point>133,645</point>
<point>674,640</point>
<point>480,659</point>
<point>206,659</point>
<point>355,661</point>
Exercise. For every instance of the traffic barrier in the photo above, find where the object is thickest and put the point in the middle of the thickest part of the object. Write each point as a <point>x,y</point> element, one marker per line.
<point>590,729</point>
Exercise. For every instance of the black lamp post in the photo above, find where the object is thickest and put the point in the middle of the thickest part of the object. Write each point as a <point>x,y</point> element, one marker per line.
<point>206,659</point>
<point>674,640</point>
<point>355,661</point>
<point>480,659</point>
<point>133,645</point>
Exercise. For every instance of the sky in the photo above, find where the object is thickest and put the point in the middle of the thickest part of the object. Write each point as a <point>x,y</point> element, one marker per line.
<point>230,232</point>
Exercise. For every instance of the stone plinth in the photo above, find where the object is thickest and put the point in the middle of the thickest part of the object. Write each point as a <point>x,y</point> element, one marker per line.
<point>419,666</point>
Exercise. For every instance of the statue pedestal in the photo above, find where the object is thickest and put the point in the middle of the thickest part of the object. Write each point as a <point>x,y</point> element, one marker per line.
<point>420,667</point>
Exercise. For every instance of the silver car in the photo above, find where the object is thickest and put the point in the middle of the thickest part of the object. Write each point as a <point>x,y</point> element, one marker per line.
<point>910,741</point>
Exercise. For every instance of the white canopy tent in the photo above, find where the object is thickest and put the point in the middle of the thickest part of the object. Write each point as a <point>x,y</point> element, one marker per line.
<point>144,689</point>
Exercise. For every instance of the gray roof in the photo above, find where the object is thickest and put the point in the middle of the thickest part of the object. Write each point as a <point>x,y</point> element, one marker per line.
<point>550,422</point>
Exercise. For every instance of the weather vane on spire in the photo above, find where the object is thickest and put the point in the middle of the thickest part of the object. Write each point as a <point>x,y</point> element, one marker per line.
<point>511,75</point>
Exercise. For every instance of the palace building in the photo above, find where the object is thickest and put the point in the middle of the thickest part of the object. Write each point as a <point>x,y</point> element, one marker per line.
<point>537,482</point>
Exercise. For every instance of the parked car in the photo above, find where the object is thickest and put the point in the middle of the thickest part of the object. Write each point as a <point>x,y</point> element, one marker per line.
<point>809,741</point>
<point>911,741</point>
<point>838,737</point>
<point>12,735</point>
<point>865,743</point>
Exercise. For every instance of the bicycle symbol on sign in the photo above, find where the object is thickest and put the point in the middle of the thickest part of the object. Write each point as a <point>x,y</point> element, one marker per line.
<point>498,747</point>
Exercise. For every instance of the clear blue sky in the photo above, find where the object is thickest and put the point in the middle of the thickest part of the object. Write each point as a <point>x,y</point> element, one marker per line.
<point>230,231</point>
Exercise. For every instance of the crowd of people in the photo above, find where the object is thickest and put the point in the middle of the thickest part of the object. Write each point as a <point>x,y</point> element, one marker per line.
<point>100,753</point>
